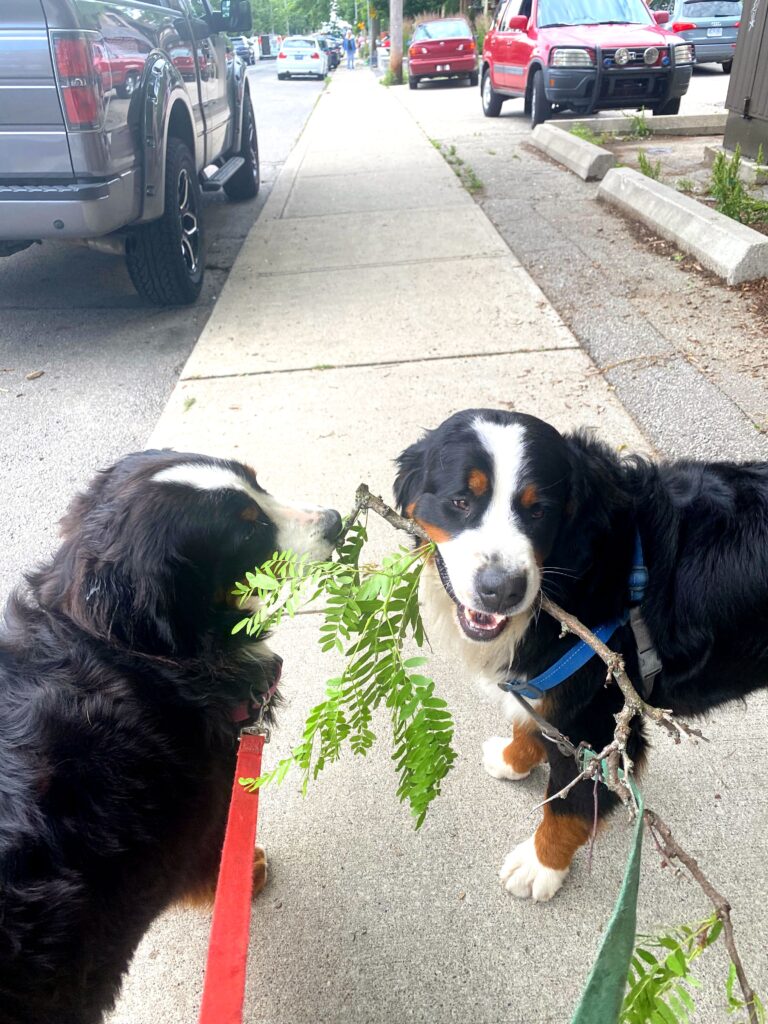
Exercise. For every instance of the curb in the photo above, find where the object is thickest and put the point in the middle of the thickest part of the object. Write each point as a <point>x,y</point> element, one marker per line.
<point>751,172</point>
<point>665,124</point>
<point>729,249</point>
<point>589,161</point>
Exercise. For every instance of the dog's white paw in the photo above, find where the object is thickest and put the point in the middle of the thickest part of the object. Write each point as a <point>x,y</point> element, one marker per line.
<point>523,874</point>
<point>493,759</point>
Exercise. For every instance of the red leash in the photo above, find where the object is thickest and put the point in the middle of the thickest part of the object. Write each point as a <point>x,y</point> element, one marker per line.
<point>224,986</point>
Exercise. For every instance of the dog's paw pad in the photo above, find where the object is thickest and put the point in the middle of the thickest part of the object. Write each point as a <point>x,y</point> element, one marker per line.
<point>259,868</point>
<point>493,759</point>
<point>523,874</point>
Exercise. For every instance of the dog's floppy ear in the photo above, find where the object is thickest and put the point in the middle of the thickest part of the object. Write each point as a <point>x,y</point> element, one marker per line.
<point>411,475</point>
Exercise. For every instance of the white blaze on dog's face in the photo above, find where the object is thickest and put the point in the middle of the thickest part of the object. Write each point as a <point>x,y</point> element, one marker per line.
<point>489,488</point>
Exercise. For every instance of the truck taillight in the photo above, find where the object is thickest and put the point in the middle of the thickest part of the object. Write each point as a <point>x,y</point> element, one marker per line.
<point>79,83</point>
<point>682,26</point>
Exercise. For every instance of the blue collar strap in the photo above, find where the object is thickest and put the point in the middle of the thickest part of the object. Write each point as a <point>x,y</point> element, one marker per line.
<point>581,653</point>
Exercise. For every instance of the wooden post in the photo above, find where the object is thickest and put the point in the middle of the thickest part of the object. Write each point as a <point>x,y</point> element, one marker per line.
<point>396,40</point>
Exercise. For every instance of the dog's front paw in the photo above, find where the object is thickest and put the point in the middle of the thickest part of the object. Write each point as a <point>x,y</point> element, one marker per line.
<point>494,761</point>
<point>523,874</point>
<point>259,869</point>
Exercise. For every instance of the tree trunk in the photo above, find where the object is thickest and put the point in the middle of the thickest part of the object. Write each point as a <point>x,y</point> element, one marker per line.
<point>396,40</point>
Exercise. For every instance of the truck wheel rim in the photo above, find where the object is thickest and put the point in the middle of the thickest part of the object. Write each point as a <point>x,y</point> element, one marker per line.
<point>190,236</point>
<point>487,89</point>
<point>252,146</point>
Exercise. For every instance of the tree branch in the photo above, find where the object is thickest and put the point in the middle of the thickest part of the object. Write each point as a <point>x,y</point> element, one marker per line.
<point>615,753</point>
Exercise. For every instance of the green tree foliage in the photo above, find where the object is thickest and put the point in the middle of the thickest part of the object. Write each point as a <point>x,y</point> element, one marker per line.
<point>369,615</point>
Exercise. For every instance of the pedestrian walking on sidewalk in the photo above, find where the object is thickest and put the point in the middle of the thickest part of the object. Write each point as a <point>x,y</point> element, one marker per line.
<point>349,49</point>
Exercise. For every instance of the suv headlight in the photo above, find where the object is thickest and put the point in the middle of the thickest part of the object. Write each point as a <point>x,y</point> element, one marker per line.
<point>684,54</point>
<point>570,57</point>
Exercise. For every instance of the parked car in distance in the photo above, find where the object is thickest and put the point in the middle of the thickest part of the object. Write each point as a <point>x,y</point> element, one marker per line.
<point>442,48</point>
<point>301,55</point>
<point>711,25</point>
<point>115,117</point>
<point>243,49</point>
<point>330,52</point>
<point>583,55</point>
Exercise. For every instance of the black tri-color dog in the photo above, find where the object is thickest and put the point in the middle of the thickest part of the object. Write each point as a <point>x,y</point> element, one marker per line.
<point>122,690</point>
<point>517,510</point>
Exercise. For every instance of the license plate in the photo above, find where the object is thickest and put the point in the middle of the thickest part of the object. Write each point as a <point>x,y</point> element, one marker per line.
<point>715,31</point>
<point>443,67</point>
<point>299,56</point>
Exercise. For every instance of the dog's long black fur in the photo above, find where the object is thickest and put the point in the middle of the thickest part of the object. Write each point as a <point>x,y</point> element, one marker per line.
<point>704,531</point>
<point>118,678</point>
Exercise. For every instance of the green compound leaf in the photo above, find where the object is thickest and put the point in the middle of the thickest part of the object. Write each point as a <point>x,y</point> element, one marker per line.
<point>369,614</point>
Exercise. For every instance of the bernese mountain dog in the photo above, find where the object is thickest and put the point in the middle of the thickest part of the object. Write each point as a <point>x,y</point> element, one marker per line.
<point>516,510</point>
<point>122,691</point>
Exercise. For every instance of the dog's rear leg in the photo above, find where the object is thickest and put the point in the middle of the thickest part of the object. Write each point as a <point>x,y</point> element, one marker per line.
<point>514,760</point>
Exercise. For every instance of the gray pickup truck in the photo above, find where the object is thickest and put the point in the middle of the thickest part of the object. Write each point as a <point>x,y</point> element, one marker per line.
<point>114,116</point>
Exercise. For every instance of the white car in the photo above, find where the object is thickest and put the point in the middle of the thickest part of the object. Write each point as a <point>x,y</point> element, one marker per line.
<point>300,55</point>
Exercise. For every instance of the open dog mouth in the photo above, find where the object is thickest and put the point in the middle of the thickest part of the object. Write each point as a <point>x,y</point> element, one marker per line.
<point>475,624</point>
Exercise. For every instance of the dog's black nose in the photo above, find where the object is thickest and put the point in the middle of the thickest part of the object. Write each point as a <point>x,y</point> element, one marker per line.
<point>500,591</point>
<point>331,524</point>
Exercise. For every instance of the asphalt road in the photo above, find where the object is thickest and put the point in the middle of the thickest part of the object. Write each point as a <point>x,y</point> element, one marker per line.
<point>109,360</point>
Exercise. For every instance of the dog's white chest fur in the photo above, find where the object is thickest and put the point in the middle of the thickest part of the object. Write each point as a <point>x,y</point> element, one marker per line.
<point>488,663</point>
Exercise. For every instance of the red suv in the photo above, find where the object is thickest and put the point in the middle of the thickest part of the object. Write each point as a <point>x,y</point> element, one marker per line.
<point>583,55</point>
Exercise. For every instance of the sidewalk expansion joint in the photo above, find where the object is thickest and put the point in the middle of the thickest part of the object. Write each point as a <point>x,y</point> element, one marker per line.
<point>338,267</point>
<point>384,362</point>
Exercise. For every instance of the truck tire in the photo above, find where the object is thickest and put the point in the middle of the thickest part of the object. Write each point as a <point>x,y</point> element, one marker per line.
<point>670,107</point>
<point>128,88</point>
<point>490,99</point>
<point>246,182</point>
<point>166,258</point>
<point>541,108</point>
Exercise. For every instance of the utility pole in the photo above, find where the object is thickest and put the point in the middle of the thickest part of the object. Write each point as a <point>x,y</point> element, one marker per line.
<point>396,40</point>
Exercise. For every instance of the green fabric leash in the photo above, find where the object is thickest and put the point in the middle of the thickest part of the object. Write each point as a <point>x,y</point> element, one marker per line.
<point>603,994</point>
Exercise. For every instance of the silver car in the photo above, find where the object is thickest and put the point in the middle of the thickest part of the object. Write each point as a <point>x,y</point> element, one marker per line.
<point>711,25</point>
<point>114,116</point>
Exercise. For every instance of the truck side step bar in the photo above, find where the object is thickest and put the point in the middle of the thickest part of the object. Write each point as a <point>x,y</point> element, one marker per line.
<point>215,181</point>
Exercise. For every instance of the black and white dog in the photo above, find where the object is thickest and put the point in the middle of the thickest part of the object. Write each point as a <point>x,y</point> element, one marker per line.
<point>122,691</point>
<point>517,509</point>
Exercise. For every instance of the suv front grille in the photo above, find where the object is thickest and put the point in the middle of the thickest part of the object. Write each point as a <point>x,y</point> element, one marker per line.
<point>636,57</point>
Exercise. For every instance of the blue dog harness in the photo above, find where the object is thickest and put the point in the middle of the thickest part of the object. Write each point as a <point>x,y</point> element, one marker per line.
<point>578,655</point>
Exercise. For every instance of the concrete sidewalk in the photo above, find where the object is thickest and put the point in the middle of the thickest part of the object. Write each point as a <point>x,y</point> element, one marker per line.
<point>372,299</point>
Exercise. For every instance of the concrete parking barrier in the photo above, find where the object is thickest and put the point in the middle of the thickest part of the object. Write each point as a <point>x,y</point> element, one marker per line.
<point>590,162</point>
<point>727,248</point>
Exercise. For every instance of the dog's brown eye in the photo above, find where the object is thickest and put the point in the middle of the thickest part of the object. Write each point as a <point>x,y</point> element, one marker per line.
<point>536,511</point>
<point>461,504</point>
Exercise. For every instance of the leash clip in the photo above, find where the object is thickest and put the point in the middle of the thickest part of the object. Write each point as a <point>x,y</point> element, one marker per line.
<point>259,728</point>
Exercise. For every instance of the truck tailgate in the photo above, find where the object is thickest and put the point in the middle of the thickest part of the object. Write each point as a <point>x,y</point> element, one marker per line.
<point>33,139</point>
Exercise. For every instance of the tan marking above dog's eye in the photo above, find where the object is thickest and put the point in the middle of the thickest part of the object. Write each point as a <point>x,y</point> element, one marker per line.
<point>251,514</point>
<point>478,482</point>
<point>529,497</point>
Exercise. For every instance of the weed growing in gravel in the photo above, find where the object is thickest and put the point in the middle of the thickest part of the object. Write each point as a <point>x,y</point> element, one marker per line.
<point>462,170</point>
<point>685,185</point>
<point>730,193</point>
<point>583,131</point>
<point>647,168</point>
<point>639,127</point>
